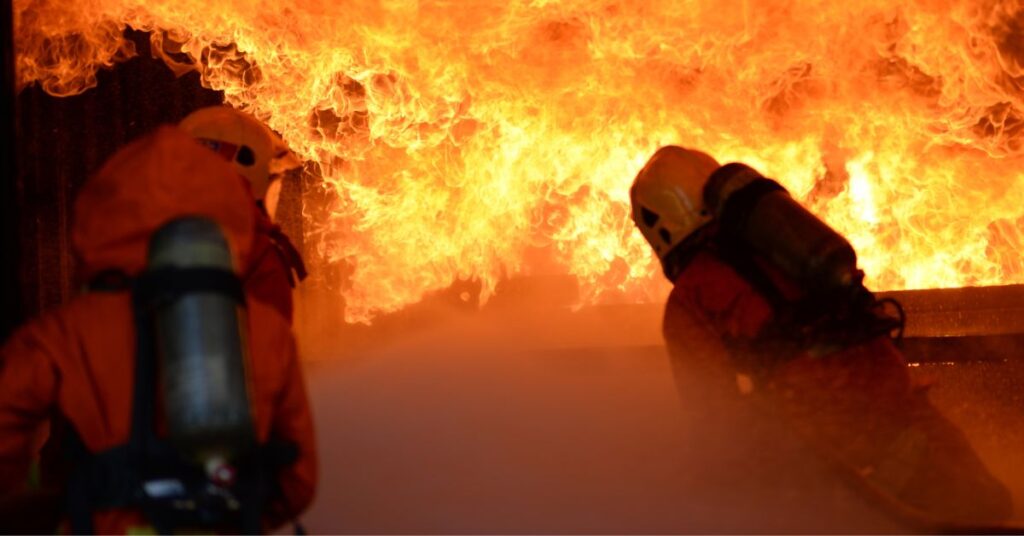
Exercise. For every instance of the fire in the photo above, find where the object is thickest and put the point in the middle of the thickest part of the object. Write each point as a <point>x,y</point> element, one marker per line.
<point>483,139</point>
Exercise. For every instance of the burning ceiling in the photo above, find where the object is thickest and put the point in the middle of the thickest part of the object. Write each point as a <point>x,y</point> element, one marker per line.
<point>481,139</point>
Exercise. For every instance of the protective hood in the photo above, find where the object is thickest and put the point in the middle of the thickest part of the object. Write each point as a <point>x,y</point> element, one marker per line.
<point>149,182</point>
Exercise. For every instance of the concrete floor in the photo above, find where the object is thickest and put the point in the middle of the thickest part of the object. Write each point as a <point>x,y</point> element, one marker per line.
<point>469,427</point>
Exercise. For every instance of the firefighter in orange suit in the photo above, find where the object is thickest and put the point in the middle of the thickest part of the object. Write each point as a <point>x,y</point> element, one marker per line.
<point>767,298</point>
<point>81,361</point>
<point>259,156</point>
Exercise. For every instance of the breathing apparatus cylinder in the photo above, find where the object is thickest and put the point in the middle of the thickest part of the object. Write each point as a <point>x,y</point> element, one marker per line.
<point>760,214</point>
<point>201,344</point>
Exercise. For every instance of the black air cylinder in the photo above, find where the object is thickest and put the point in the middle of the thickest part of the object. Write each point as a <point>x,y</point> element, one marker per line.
<point>758,213</point>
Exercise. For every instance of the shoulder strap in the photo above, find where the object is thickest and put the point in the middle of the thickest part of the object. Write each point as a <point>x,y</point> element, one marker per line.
<point>110,281</point>
<point>78,495</point>
<point>143,428</point>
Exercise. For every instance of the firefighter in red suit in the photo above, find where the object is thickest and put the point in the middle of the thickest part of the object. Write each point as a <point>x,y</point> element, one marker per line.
<point>259,156</point>
<point>79,363</point>
<point>767,301</point>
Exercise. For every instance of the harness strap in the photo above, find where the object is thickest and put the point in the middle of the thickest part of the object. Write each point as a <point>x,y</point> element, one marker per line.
<point>79,500</point>
<point>110,281</point>
<point>155,288</point>
<point>143,431</point>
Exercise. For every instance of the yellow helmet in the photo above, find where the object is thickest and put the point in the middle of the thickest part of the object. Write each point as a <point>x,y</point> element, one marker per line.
<point>256,151</point>
<point>667,196</point>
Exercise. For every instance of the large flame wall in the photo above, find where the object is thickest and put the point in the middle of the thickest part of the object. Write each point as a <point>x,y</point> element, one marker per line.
<point>472,139</point>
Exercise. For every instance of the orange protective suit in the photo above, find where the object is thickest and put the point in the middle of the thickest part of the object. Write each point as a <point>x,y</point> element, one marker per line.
<point>78,360</point>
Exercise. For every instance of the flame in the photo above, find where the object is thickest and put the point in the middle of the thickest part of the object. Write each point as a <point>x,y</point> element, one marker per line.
<point>482,139</point>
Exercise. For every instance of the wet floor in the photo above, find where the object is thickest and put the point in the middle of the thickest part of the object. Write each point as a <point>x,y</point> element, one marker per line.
<point>469,427</point>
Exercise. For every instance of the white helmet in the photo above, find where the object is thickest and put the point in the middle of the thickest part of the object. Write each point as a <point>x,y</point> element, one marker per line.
<point>256,151</point>
<point>667,196</point>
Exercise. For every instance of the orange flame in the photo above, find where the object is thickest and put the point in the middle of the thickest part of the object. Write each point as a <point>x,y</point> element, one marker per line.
<point>488,138</point>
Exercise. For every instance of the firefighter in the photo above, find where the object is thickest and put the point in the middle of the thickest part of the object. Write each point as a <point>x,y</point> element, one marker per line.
<point>768,302</point>
<point>259,156</point>
<point>156,232</point>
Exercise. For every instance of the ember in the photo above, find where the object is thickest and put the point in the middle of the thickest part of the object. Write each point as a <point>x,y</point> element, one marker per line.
<point>487,139</point>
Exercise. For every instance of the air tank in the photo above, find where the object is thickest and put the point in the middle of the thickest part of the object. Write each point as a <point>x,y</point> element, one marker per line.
<point>201,345</point>
<point>760,214</point>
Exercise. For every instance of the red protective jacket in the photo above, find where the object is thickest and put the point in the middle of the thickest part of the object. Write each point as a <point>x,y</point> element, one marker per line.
<point>856,404</point>
<point>78,360</point>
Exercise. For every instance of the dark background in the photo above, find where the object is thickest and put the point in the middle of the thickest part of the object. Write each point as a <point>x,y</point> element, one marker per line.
<point>60,142</point>
<point>10,296</point>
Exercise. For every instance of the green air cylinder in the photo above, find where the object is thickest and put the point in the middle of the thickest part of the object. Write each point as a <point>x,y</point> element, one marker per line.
<point>201,345</point>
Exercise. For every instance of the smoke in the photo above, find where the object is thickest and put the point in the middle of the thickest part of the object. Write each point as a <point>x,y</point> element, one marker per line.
<point>471,426</point>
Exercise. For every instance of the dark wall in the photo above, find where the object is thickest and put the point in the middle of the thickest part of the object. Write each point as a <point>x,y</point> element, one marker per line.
<point>62,140</point>
<point>10,297</point>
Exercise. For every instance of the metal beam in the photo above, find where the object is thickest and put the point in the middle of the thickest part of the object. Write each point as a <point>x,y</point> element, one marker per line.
<point>943,325</point>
